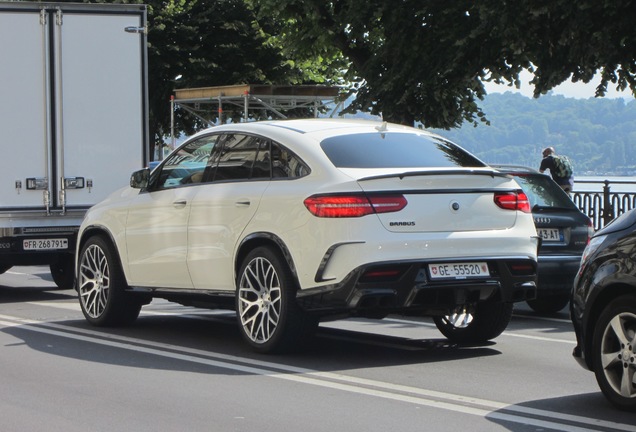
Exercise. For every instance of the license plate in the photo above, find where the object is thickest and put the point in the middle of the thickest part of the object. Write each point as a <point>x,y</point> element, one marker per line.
<point>45,244</point>
<point>458,270</point>
<point>550,234</point>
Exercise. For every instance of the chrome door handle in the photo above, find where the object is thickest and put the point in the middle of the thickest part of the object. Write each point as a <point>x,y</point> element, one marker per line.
<point>242,203</point>
<point>179,203</point>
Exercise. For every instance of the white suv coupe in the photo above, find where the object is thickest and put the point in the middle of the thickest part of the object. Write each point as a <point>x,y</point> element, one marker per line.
<point>290,222</point>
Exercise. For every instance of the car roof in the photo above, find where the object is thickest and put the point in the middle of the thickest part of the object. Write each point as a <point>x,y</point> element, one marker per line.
<point>319,128</point>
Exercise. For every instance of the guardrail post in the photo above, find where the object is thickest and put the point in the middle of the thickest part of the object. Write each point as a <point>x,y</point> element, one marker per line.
<point>608,209</point>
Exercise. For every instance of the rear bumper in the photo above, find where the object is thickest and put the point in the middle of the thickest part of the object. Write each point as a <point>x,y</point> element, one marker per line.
<point>36,246</point>
<point>20,226</point>
<point>556,274</point>
<point>414,291</point>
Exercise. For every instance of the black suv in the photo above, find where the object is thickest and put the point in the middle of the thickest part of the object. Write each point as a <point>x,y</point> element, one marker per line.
<point>603,310</point>
<point>564,230</point>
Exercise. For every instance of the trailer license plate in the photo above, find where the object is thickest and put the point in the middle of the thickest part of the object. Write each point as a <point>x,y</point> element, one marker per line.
<point>45,244</point>
<point>458,270</point>
<point>550,234</point>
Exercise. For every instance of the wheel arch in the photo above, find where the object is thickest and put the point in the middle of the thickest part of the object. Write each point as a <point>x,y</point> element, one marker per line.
<point>603,298</point>
<point>95,230</point>
<point>257,239</point>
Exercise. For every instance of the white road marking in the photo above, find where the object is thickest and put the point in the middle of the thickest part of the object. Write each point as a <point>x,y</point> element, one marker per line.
<point>76,307</point>
<point>451,402</point>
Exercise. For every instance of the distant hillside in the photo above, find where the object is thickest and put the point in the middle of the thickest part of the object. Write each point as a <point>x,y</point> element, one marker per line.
<point>599,135</point>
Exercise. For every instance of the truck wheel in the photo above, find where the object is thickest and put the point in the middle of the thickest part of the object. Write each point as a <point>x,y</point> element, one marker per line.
<point>614,352</point>
<point>549,304</point>
<point>269,318</point>
<point>63,272</point>
<point>102,286</point>
<point>475,324</point>
<point>4,268</point>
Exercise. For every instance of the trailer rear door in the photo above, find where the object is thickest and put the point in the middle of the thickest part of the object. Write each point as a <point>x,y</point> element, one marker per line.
<point>101,88</point>
<point>24,124</point>
<point>73,105</point>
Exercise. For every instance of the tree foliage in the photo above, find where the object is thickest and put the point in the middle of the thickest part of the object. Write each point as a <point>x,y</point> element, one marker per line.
<point>203,43</point>
<point>415,61</point>
<point>579,39</point>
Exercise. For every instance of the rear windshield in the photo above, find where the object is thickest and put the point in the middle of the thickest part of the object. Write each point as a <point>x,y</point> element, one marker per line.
<point>542,191</point>
<point>396,150</point>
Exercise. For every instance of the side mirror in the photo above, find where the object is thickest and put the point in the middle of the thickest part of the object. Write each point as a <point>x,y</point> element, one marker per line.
<point>139,179</point>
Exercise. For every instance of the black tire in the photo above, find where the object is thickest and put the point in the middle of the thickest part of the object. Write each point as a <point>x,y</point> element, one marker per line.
<point>101,286</point>
<point>614,352</point>
<point>474,325</point>
<point>549,304</point>
<point>63,272</point>
<point>4,268</point>
<point>269,318</point>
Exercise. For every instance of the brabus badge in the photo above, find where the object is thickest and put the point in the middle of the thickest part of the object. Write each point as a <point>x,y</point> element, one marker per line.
<point>402,224</point>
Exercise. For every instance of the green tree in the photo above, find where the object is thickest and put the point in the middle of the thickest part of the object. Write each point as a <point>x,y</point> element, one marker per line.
<point>405,61</point>
<point>202,43</point>
<point>577,40</point>
<point>415,61</point>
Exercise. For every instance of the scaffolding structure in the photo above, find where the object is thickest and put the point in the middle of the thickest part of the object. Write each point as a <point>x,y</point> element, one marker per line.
<point>248,98</point>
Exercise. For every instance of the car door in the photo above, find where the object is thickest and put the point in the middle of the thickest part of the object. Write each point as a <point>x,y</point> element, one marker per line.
<point>157,227</point>
<point>222,208</point>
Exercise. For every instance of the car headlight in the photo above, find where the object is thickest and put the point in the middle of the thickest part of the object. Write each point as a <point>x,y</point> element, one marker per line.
<point>592,246</point>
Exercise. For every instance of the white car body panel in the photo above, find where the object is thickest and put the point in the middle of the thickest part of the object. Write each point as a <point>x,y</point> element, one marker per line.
<point>156,238</point>
<point>218,217</point>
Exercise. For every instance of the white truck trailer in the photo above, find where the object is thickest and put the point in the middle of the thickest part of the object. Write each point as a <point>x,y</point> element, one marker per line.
<point>73,122</point>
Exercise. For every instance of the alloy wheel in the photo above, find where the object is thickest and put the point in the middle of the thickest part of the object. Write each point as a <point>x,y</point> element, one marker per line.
<point>259,303</point>
<point>94,281</point>
<point>618,354</point>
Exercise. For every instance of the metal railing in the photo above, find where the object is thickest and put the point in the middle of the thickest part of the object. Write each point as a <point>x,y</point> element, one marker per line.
<point>603,206</point>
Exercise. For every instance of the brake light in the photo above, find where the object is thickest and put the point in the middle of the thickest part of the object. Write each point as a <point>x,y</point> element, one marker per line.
<point>354,205</point>
<point>512,201</point>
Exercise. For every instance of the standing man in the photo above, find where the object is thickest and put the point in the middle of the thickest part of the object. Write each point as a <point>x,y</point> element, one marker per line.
<point>560,169</point>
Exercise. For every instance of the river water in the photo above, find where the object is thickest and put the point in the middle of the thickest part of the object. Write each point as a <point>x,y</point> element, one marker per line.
<point>617,183</point>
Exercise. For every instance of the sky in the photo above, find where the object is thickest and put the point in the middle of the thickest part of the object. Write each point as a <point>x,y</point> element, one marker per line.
<point>568,89</point>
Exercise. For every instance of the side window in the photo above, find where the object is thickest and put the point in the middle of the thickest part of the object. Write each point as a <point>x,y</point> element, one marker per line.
<point>262,168</point>
<point>236,157</point>
<point>285,164</point>
<point>243,157</point>
<point>186,165</point>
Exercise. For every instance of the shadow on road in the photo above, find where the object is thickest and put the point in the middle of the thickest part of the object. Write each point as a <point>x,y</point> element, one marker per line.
<point>30,284</point>
<point>580,410</point>
<point>33,294</point>
<point>216,335</point>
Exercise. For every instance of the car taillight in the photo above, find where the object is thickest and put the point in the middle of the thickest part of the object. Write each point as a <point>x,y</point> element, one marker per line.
<point>353,205</point>
<point>513,201</point>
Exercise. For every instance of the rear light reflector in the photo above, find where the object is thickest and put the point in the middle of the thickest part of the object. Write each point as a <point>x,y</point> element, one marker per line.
<point>513,201</point>
<point>383,274</point>
<point>353,205</point>
<point>522,268</point>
